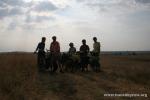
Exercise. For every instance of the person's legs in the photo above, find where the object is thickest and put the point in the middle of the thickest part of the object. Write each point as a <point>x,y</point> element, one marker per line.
<point>99,62</point>
<point>48,63</point>
<point>51,63</point>
<point>85,63</point>
<point>98,65</point>
<point>55,62</point>
<point>55,66</point>
<point>82,63</point>
<point>59,63</point>
<point>40,61</point>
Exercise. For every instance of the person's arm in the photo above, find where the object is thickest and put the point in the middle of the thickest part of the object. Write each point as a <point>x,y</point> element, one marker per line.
<point>69,50</point>
<point>44,46</point>
<point>36,48</point>
<point>99,47</point>
<point>75,50</point>
<point>88,49</point>
<point>58,47</point>
<point>80,49</point>
<point>50,48</point>
<point>93,47</point>
<point>99,44</point>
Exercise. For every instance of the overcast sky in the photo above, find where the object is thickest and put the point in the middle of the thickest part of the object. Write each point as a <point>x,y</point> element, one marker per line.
<point>118,24</point>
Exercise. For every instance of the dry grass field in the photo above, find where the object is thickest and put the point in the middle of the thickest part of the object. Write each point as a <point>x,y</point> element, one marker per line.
<point>19,79</point>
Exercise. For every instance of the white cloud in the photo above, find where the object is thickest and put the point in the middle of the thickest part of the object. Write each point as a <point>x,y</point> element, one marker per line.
<point>45,6</point>
<point>143,1</point>
<point>119,24</point>
<point>116,6</point>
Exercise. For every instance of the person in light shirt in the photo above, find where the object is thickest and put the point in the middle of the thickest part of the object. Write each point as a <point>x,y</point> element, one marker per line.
<point>96,46</point>
<point>72,49</point>
<point>96,55</point>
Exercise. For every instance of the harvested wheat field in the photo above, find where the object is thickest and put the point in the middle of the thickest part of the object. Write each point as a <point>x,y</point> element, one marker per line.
<point>19,79</point>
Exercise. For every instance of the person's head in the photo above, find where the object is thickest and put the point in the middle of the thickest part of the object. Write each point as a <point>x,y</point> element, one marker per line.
<point>71,44</point>
<point>83,41</point>
<point>94,39</point>
<point>43,39</point>
<point>54,38</point>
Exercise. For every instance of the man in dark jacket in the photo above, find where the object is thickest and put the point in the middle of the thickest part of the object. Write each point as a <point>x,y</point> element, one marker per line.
<point>84,50</point>
<point>41,53</point>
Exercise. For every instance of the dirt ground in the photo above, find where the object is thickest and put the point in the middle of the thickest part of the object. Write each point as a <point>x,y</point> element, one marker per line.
<point>20,80</point>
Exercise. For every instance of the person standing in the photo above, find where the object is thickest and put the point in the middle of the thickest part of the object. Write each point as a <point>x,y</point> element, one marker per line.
<point>41,53</point>
<point>96,54</point>
<point>84,50</point>
<point>72,49</point>
<point>96,46</point>
<point>55,52</point>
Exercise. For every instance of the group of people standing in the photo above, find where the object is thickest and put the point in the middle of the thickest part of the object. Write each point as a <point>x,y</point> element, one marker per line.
<point>55,51</point>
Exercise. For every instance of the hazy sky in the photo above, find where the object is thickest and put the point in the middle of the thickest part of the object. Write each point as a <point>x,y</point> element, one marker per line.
<point>118,24</point>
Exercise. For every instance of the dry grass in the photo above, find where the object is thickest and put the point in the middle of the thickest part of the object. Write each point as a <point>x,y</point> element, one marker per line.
<point>19,79</point>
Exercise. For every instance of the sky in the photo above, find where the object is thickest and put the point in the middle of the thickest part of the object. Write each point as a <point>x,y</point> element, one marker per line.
<point>119,25</point>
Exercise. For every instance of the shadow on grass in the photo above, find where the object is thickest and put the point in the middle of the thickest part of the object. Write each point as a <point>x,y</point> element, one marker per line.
<point>59,84</point>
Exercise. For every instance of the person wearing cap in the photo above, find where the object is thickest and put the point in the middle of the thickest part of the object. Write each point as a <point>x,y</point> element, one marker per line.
<point>41,53</point>
<point>84,50</point>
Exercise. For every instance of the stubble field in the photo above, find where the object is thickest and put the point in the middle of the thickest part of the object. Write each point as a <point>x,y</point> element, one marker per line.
<point>20,80</point>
